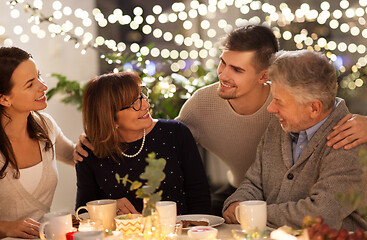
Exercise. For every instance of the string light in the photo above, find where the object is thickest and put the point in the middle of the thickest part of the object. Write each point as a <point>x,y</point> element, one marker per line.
<point>347,20</point>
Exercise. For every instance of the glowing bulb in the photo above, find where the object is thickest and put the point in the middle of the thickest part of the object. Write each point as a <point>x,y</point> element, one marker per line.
<point>57,14</point>
<point>147,29</point>
<point>187,24</point>
<point>157,9</point>
<point>18,30</point>
<point>2,30</point>
<point>24,38</point>
<point>14,13</point>
<point>134,47</point>
<point>57,5</point>
<point>138,11</point>
<point>150,19</point>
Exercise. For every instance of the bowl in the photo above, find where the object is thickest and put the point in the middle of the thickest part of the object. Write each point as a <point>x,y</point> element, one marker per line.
<point>129,223</point>
<point>202,232</point>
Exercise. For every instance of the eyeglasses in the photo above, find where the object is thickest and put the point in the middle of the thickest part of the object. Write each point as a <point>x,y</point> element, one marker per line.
<point>136,105</point>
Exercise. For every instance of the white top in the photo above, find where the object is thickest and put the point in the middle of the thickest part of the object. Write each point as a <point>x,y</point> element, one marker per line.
<point>16,202</point>
<point>219,129</point>
<point>30,177</point>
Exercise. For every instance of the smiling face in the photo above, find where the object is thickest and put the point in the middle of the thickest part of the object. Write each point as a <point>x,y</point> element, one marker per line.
<point>293,117</point>
<point>28,91</point>
<point>237,75</point>
<point>131,123</point>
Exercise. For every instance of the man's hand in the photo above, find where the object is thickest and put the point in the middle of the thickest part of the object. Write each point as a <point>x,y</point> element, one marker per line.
<point>349,132</point>
<point>27,228</point>
<point>124,206</point>
<point>79,152</point>
<point>230,213</point>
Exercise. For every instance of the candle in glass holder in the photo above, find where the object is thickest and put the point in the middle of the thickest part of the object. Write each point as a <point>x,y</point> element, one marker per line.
<point>90,225</point>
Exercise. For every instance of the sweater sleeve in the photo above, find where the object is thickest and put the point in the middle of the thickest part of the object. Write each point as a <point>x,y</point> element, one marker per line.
<point>195,179</point>
<point>188,115</point>
<point>87,186</point>
<point>251,186</point>
<point>335,177</point>
<point>64,147</point>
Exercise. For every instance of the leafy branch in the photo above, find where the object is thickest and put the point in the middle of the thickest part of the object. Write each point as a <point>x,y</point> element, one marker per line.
<point>154,175</point>
<point>72,89</point>
<point>352,197</point>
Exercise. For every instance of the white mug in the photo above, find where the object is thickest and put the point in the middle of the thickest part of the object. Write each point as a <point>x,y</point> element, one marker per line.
<point>56,224</point>
<point>104,209</point>
<point>167,211</point>
<point>252,215</point>
<point>88,235</point>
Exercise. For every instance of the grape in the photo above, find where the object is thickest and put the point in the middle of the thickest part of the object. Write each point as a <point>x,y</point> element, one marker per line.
<point>319,219</point>
<point>317,230</point>
<point>343,233</point>
<point>324,229</point>
<point>359,234</point>
<point>318,236</point>
<point>333,234</point>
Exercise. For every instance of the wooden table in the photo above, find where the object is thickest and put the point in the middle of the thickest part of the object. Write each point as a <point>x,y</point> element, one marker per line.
<point>224,232</point>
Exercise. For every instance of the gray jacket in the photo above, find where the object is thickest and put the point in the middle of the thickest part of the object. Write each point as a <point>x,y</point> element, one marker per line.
<point>310,185</point>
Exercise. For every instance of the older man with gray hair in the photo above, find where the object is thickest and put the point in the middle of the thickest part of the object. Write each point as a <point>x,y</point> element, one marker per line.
<point>294,171</point>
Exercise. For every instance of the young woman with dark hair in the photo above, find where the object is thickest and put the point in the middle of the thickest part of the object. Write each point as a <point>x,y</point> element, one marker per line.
<point>30,142</point>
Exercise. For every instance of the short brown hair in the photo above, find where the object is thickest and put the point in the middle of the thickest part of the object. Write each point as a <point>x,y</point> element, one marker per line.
<point>256,38</point>
<point>104,96</point>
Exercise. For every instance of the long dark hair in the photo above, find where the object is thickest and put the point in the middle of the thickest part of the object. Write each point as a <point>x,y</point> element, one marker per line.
<point>10,58</point>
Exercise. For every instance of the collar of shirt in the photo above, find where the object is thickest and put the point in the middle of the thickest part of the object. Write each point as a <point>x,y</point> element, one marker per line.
<point>299,143</point>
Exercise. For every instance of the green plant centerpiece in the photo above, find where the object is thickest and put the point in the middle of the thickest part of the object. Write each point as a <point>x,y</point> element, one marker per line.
<point>153,175</point>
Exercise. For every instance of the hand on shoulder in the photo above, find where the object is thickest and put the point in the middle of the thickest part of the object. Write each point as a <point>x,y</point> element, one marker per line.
<point>350,132</point>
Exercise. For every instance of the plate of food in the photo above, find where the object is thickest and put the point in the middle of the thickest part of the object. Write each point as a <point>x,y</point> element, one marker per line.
<point>193,220</point>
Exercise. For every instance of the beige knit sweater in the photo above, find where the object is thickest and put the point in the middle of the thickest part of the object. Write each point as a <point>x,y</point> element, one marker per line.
<point>16,202</point>
<point>220,130</point>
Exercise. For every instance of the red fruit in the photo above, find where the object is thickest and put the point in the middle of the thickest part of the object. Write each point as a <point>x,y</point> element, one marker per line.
<point>340,238</point>
<point>359,234</point>
<point>318,236</point>
<point>324,229</point>
<point>319,219</point>
<point>343,233</point>
<point>316,227</point>
<point>352,237</point>
<point>333,234</point>
<point>311,232</point>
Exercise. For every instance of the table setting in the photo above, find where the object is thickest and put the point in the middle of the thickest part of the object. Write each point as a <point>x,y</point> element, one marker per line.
<point>101,223</point>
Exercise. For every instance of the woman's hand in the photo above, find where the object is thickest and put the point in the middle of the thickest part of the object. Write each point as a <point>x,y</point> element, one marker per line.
<point>124,206</point>
<point>27,228</point>
<point>230,213</point>
<point>349,132</point>
<point>79,152</point>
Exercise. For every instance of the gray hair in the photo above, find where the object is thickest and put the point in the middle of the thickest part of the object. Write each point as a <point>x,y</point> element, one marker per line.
<point>307,75</point>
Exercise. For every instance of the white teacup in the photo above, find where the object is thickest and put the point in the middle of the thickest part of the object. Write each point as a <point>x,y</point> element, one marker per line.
<point>252,215</point>
<point>104,210</point>
<point>167,211</point>
<point>56,224</point>
<point>89,235</point>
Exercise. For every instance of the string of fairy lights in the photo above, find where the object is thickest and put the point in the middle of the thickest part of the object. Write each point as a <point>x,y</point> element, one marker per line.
<point>344,18</point>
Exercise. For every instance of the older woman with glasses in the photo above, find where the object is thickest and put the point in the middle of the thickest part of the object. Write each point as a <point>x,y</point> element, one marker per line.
<point>117,121</point>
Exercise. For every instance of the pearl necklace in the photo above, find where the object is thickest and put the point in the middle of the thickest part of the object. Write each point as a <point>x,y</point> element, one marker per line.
<point>141,148</point>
